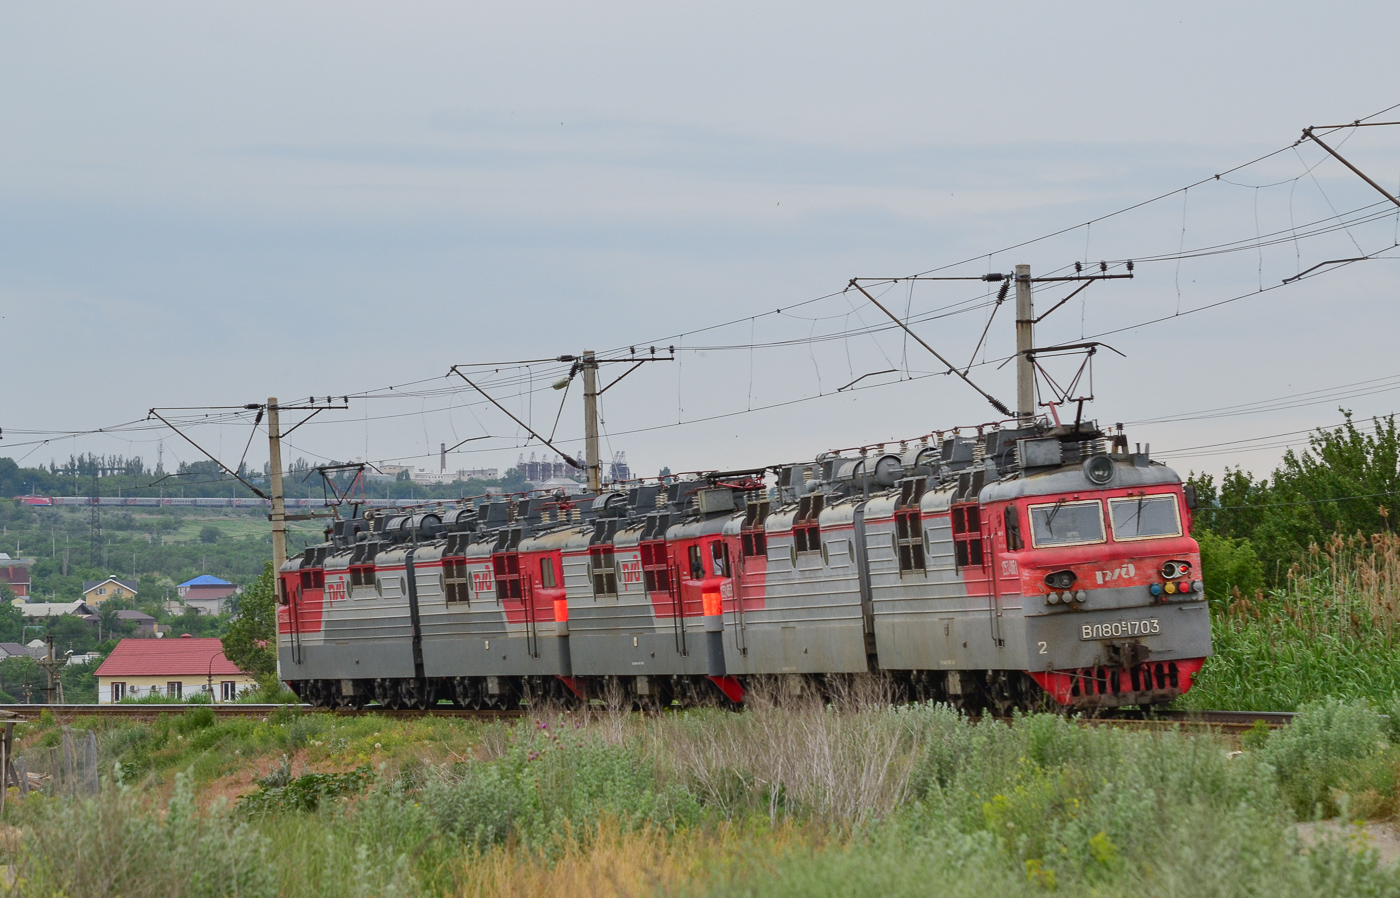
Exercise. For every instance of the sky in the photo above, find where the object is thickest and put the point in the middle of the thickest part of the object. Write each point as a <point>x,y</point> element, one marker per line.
<point>203,205</point>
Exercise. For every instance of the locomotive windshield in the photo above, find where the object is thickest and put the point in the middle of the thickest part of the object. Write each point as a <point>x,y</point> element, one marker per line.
<point>1067,523</point>
<point>1145,517</point>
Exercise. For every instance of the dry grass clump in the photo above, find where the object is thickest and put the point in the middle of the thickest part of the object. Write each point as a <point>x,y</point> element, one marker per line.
<point>842,759</point>
<point>614,860</point>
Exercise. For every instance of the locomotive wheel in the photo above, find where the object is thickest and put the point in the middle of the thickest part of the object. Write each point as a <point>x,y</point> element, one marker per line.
<point>350,702</point>
<point>463,695</point>
<point>414,694</point>
<point>386,694</point>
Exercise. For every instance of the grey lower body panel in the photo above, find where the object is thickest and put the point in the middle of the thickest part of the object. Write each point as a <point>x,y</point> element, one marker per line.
<point>360,659</point>
<point>598,653</point>
<point>950,641</point>
<point>835,646</point>
<point>497,656</point>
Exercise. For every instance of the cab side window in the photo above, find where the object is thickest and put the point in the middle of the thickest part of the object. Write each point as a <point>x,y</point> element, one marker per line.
<point>697,564</point>
<point>1013,529</point>
<point>719,558</point>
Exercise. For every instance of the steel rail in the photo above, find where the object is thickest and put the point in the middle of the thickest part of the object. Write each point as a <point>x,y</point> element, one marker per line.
<point>1226,721</point>
<point>137,711</point>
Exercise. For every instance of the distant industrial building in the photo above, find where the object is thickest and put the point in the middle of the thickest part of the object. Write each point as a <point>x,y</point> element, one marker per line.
<point>539,473</point>
<point>545,468</point>
<point>441,475</point>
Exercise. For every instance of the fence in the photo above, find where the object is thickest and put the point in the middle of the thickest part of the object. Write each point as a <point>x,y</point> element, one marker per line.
<point>69,768</point>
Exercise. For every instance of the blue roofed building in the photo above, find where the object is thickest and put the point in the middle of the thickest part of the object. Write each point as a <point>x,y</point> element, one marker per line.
<point>206,593</point>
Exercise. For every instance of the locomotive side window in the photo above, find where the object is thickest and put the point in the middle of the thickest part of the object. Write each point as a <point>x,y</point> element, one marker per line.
<point>967,535</point>
<point>454,575</point>
<point>1067,523</point>
<point>604,573</point>
<point>507,570</point>
<point>909,540</point>
<point>1013,529</point>
<point>697,564</point>
<point>753,540</point>
<point>719,558</point>
<point>806,529</point>
<point>655,570</point>
<point>1145,517</point>
<point>547,573</point>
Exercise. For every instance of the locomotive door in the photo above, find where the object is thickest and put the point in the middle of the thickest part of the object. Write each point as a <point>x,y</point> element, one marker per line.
<point>513,586</point>
<point>294,624</point>
<point>735,586</point>
<point>972,548</point>
<point>673,590</point>
<point>989,564</point>
<point>867,597</point>
<point>532,636</point>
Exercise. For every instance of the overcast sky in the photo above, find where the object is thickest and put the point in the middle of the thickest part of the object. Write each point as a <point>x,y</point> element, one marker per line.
<point>208,204</point>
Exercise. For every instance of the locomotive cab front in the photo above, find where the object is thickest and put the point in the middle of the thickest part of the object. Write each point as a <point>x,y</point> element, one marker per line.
<point>1110,579</point>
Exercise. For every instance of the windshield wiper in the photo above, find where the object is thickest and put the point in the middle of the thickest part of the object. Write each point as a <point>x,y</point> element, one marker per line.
<point>1136,518</point>
<point>1050,521</point>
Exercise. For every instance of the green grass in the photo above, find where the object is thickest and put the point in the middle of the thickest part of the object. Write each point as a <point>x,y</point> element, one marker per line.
<point>797,799</point>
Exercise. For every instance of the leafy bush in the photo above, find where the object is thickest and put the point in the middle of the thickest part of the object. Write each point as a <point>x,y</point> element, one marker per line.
<point>1229,566</point>
<point>280,791</point>
<point>548,781</point>
<point>1331,748</point>
<point>119,845</point>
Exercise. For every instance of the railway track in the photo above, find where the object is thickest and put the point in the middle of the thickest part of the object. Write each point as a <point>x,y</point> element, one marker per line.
<point>151,712</point>
<point>1225,721</point>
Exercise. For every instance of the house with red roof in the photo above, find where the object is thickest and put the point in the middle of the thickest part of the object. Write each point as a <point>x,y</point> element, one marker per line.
<point>14,573</point>
<point>175,668</point>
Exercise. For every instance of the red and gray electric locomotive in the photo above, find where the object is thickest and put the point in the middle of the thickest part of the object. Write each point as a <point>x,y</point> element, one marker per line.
<point>1024,566</point>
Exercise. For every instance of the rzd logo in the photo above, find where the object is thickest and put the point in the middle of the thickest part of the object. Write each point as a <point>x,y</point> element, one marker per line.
<point>631,572</point>
<point>335,590</point>
<point>1127,571</point>
<point>482,581</point>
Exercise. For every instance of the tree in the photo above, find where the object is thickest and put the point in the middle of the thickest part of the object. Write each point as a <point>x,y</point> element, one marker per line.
<point>1345,482</point>
<point>251,640</point>
<point>107,620</point>
<point>11,623</point>
<point>209,535</point>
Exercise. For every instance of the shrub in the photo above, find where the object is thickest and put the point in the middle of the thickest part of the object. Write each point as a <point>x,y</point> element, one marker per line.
<point>280,791</point>
<point>1229,565</point>
<point>1331,745</point>
<point>117,844</point>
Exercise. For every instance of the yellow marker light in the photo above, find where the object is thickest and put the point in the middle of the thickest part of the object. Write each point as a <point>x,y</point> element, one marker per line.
<point>1170,587</point>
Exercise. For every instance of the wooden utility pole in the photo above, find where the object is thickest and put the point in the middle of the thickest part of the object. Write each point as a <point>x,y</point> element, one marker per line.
<point>274,465</point>
<point>1025,326</point>
<point>590,421</point>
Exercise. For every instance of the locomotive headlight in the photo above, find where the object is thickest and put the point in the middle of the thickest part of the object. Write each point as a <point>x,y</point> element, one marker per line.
<point>1060,579</point>
<point>1099,469</point>
<point>1173,569</point>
